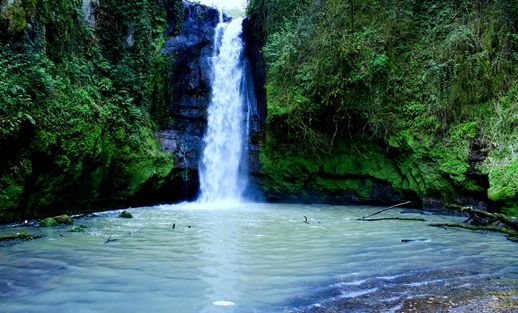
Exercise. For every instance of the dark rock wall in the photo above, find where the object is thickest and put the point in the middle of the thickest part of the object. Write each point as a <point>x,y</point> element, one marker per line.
<point>192,48</point>
<point>256,74</point>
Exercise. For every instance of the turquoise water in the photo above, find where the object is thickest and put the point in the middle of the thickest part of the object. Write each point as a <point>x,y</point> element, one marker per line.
<point>242,258</point>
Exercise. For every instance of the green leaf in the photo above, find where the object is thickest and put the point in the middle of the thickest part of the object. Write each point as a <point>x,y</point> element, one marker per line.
<point>33,122</point>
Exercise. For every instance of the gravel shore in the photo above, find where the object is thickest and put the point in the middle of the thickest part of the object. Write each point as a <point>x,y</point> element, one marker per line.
<point>453,289</point>
<point>467,300</point>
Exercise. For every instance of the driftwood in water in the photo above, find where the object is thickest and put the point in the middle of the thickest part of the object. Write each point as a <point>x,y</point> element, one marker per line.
<point>394,218</point>
<point>474,227</point>
<point>482,220</point>
<point>486,218</point>
<point>415,240</point>
<point>390,207</point>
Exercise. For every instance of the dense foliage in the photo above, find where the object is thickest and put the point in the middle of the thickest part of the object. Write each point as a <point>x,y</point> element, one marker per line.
<point>82,87</point>
<point>434,83</point>
<point>418,97</point>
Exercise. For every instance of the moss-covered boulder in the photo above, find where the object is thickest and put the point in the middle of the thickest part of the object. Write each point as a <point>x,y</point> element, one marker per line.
<point>22,235</point>
<point>64,219</point>
<point>49,221</point>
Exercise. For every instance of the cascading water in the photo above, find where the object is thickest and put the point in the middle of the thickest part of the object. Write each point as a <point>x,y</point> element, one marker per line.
<point>220,178</point>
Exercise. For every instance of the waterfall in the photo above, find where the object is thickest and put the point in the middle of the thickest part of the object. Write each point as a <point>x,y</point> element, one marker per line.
<point>220,175</point>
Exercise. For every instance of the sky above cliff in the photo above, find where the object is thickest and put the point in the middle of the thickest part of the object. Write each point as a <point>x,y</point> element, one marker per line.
<point>229,4</point>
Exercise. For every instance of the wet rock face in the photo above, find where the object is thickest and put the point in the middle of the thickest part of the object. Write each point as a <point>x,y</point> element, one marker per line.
<point>185,147</point>
<point>193,49</point>
<point>257,70</point>
<point>256,76</point>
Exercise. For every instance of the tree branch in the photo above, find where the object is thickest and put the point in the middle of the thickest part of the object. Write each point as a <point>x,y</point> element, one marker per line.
<point>391,207</point>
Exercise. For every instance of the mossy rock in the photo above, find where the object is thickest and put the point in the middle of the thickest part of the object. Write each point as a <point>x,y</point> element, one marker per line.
<point>64,219</point>
<point>23,235</point>
<point>49,221</point>
<point>77,229</point>
<point>510,210</point>
<point>125,214</point>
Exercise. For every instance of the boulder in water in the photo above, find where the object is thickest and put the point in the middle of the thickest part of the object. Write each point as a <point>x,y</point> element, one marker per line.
<point>49,221</point>
<point>64,219</point>
<point>125,214</point>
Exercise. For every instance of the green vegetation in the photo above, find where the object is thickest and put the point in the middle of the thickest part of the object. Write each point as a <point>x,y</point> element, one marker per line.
<point>428,86</point>
<point>16,14</point>
<point>48,222</point>
<point>367,100</point>
<point>81,94</point>
<point>21,235</point>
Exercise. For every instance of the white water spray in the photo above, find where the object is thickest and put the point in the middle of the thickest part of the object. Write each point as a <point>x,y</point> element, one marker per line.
<point>220,177</point>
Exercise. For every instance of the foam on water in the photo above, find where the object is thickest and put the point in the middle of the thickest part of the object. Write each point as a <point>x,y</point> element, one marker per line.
<point>223,303</point>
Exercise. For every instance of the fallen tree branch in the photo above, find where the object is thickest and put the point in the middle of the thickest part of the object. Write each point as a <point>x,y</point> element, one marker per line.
<point>493,218</point>
<point>394,218</point>
<point>390,207</point>
<point>473,227</point>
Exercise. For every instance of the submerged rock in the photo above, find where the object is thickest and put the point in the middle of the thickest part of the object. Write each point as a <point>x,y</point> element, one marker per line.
<point>125,214</point>
<point>49,221</point>
<point>77,229</point>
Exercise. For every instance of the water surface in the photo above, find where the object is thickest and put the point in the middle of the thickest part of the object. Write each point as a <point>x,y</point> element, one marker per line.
<point>244,258</point>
